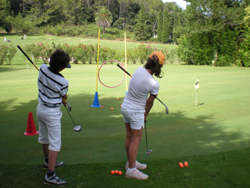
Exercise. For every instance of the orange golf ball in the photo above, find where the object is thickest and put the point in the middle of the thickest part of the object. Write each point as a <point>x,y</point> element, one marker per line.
<point>101,106</point>
<point>181,164</point>
<point>112,172</point>
<point>120,172</point>
<point>112,108</point>
<point>117,98</point>
<point>116,171</point>
<point>120,105</point>
<point>186,164</point>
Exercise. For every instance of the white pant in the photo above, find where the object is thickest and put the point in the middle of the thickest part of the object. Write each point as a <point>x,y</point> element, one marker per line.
<point>136,119</point>
<point>49,120</point>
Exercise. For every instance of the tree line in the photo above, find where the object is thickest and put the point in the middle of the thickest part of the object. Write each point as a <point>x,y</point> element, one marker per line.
<point>211,31</point>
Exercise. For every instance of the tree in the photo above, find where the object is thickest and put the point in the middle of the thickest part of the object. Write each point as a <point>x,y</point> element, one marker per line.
<point>159,26</point>
<point>213,27</point>
<point>166,26</point>
<point>103,18</point>
<point>7,13</point>
<point>140,26</point>
<point>174,27</point>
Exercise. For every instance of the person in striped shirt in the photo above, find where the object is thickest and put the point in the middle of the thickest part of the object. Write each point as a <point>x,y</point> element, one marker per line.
<point>52,88</point>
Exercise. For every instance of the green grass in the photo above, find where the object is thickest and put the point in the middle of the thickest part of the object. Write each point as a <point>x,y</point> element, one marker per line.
<point>213,137</point>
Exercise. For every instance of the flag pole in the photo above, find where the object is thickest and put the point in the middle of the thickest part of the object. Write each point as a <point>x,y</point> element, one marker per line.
<point>196,86</point>
<point>195,105</point>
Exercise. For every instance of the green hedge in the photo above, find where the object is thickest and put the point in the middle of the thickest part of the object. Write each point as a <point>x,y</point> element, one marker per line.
<point>86,53</point>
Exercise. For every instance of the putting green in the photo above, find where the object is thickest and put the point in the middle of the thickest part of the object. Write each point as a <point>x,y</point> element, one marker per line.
<point>219,123</point>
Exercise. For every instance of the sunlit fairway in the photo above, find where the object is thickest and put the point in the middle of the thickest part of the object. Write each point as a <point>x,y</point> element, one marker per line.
<point>212,136</point>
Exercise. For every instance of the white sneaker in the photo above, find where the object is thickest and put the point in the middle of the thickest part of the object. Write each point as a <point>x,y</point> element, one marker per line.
<point>138,165</point>
<point>136,174</point>
<point>54,181</point>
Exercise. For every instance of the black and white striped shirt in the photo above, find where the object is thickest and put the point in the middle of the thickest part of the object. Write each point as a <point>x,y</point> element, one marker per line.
<point>51,87</point>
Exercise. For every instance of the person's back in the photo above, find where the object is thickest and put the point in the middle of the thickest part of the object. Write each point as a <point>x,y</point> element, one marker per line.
<point>52,87</point>
<point>141,84</point>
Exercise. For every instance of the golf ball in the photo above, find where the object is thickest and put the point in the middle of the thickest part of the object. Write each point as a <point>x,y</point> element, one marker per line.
<point>120,173</point>
<point>112,172</point>
<point>101,106</point>
<point>112,109</point>
<point>116,171</point>
<point>117,98</point>
<point>186,164</point>
<point>181,164</point>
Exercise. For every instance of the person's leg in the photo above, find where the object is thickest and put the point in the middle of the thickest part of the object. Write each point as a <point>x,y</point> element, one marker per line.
<point>132,171</point>
<point>52,160</point>
<point>128,139</point>
<point>134,145</point>
<point>45,148</point>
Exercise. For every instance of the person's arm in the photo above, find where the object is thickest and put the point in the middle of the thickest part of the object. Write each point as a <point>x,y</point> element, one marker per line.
<point>149,104</point>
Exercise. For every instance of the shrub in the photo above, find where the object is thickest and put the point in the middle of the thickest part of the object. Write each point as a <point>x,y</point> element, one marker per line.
<point>3,53</point>
<point>132,55</point>
<point>11,51</point>
<point>224,60</point>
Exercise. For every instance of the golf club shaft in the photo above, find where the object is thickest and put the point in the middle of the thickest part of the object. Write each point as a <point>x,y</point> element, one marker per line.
<point>27,56</point>
<point>146,134</point>
<point>34,65</point>
<point>161,101</point>
<point>124,70</point>
<point>70,116</point>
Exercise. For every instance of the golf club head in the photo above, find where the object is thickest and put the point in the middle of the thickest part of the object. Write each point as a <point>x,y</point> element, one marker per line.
<point>166,109</point>
<point>77,128</point>
<point>149,151</point>
<point>69,107</point>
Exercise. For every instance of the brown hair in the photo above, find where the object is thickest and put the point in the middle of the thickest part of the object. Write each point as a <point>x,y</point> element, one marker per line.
<point>154,66</point>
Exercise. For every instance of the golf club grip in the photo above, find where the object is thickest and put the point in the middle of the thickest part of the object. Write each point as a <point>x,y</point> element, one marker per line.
<point>64,100</point>
<point>33,64</point>
<point>123,70</point>
<point>27,56</point>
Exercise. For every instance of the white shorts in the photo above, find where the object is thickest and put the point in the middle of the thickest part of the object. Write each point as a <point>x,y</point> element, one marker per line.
<point>49,120</point>
<point>136,119</point>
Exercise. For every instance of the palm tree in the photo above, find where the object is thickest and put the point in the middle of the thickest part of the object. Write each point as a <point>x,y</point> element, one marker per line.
<point>103,18</point>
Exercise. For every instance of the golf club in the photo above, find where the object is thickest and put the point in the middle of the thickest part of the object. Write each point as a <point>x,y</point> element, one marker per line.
<point>69,107</point>
<point>166,108</point>
<point>148,150</point>
<point>76,128</point>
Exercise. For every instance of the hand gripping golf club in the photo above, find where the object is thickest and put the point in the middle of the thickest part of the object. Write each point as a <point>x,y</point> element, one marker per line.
<point>76,128</point>
<point>166,108</point>
<point>69,107</point>
<point>148,150</point>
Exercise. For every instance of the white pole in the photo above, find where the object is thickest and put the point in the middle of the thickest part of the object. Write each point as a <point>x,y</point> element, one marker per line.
<point>195,105</point>
<point>126,61</point>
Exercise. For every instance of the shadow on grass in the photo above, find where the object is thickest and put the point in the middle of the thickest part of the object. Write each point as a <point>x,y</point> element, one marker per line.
<point>103,133</point>
<point>8,68</point>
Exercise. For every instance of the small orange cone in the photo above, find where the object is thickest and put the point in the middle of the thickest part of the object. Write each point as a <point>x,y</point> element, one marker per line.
<point>31,129</point>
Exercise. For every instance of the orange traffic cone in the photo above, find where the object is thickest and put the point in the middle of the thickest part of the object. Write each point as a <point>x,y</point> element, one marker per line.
<point>31,129</point>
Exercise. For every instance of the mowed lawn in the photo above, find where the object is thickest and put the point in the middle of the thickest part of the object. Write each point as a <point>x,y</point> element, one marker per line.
<point>213,137</point>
